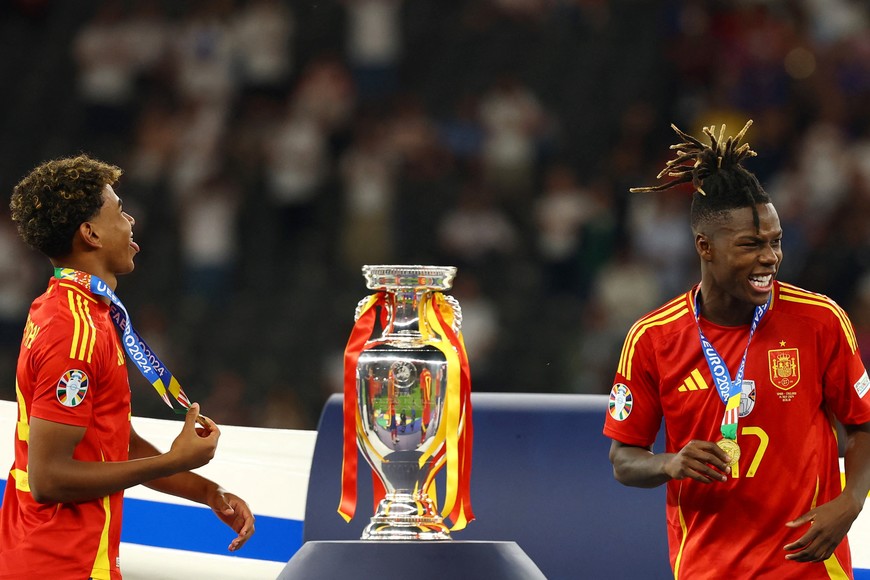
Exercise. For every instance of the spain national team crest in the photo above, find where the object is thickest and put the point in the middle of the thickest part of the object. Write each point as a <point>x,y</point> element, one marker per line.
<point>785,367</point>
<point>620,402</point>
<point>72,388</point>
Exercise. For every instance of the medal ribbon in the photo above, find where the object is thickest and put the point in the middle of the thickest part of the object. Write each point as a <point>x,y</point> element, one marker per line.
<point>151,367</point>
<point>729,390</point>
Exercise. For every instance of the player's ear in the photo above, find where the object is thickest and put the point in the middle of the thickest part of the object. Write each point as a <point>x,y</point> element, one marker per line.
<point>704,247</point>
<point>89,236</point>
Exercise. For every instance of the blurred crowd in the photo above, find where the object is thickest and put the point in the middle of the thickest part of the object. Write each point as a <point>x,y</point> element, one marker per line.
<point>273,147</point>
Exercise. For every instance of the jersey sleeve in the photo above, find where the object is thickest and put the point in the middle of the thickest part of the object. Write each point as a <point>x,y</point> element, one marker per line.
<point>63,369</point>
<point>634,412</point>
<point>846,385</point>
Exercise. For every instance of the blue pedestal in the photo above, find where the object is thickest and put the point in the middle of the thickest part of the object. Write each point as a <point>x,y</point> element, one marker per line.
<point>540,477</point>
<point>420,560</point>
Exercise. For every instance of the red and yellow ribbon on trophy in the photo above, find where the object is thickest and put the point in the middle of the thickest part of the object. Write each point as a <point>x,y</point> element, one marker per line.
<point>452,442</point>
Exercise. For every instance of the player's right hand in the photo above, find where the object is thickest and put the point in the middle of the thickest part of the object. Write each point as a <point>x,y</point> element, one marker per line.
<point>194,447</point>
<point>702,461</point>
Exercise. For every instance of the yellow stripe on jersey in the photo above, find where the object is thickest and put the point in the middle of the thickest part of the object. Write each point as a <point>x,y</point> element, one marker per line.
<point>84,331</point>
<point>76,324</point>
<point>684,530</point>
<point>93,340</point>
<point>791,293</point>
<point>101,570</point>
<point>835,569</point>
<point>671,311</point>
<point>23,420</point>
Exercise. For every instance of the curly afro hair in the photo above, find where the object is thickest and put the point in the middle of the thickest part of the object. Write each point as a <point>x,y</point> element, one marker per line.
<point>56,197</point>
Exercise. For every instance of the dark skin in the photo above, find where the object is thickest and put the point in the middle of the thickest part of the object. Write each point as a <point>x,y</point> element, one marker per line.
<point>104,246</point>
<point>738,264</point>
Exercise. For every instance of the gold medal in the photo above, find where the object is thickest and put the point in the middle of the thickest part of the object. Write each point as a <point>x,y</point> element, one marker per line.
<point>730,447</point>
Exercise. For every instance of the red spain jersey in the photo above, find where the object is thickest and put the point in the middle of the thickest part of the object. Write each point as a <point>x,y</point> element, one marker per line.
<point>71,370</point>
<point>803,367</point>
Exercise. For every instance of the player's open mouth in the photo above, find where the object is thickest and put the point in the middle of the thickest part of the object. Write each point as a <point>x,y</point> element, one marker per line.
<point>134,245</point>
<point>762,282</point>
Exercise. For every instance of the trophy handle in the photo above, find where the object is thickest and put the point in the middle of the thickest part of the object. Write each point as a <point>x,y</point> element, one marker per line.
<point>457,312</point>
<point>358,312</point>
<point>451,300</point>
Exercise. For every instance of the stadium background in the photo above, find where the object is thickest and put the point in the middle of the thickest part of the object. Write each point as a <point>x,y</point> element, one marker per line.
<point>273,148</point>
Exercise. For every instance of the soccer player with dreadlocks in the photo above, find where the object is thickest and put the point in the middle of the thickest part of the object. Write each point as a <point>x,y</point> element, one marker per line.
<point>748,374</point>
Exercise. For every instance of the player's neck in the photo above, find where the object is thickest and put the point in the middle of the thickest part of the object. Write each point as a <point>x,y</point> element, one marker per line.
<point>83,264</point>
<point>723,309</point>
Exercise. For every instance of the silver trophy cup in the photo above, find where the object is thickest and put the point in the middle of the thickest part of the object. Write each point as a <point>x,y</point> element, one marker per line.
<point>401,389</point>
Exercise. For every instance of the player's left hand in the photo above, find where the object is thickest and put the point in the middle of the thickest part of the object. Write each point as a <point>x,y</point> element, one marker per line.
<point>828,526</point>
<point>234,512</point>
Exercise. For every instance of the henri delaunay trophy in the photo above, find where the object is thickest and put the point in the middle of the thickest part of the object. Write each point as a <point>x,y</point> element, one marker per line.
<point>407,405</point>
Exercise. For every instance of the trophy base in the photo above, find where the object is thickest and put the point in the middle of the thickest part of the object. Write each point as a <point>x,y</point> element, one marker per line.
<point>402,516</point>
<point>456,560</point>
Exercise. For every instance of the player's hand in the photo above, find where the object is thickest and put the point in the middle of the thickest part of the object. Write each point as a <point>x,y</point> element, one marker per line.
<point>702,461</point>
<point>828,524</point>
<point>196,444</point>
<point>234,512</point>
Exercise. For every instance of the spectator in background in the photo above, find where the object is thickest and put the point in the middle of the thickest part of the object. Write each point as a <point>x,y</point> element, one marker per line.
<point>369,172</point>
<point>198,144</point>
<point>228,398</point>
<point>208,215</point>
<point>263,33</point>
<point>861,316</point>
<point>296,166</point>
<point>204,54</point>
<point>461,133</point>
<point>626,287</point>
<point>516,128</point>
<point>658,241</point>
<point>147,35</point>
<point>325,93</point>
<point>374,46</point>
<point>480,327</point>
<point>153,143</point>
<point>413,135</point>
<point>17,274</point>
<point>562,212</point>
<point>478,234</point>
<point>106,75</point>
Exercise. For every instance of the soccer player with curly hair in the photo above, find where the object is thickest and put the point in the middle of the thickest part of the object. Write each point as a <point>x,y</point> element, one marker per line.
<point>75,448</point>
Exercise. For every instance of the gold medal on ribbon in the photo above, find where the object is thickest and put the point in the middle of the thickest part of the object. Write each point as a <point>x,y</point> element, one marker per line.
<point>730,447</point>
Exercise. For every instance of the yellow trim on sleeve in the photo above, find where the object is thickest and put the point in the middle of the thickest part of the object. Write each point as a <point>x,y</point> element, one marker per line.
<point>793,294</point>
<point>22,483</point>
<point>84,330</point>
<point>663,317</point>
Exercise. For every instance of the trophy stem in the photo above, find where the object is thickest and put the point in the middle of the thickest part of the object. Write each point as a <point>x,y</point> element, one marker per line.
<point>405,516</point>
